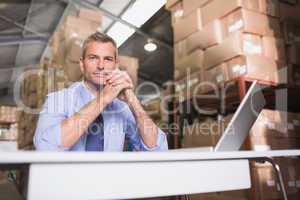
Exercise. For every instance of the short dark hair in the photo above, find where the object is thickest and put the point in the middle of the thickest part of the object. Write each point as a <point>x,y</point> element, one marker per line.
<point>98,37</point>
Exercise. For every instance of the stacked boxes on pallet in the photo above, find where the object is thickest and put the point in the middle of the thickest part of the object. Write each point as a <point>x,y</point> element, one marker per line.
<point>9,119</point>
<point>158,108</point>
<point>273,130</point>
<point>31,100</point>
<point>257,39</point>
<point>9,122</point>
<point>216,41</point>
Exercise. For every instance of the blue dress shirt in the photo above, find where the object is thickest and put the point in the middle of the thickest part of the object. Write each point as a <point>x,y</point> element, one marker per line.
<point>118,123</point>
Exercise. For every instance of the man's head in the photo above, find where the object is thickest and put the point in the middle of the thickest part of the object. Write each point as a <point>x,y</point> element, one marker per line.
<point>99,53</point>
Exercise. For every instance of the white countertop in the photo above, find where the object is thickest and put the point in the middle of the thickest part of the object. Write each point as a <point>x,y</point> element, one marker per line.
<point>80,157</point>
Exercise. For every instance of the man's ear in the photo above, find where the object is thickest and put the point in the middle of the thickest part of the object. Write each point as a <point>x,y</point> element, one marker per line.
<point>81,64</point>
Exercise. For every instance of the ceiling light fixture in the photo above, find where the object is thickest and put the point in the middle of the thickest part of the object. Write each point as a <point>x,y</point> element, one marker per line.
<point>150,46</point>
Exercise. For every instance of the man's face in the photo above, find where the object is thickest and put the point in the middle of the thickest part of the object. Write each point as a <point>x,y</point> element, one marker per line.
<point>99,57</point>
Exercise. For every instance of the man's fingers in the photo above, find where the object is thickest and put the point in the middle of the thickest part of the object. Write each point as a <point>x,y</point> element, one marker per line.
<point>117,78</point>
<point>125,77</point>
<point>114,78</point>
<point>119,81</point>
<point>122,86</point>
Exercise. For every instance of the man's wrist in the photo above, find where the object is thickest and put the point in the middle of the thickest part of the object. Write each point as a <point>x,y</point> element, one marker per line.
<point>130,96</point>
<point>103,99</point>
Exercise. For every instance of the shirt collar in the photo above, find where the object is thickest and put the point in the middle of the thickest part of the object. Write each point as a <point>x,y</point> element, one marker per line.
<point>85,93</point>
<point>88,96</point>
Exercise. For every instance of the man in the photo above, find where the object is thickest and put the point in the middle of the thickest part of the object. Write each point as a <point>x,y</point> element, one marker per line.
<point>98,113</point>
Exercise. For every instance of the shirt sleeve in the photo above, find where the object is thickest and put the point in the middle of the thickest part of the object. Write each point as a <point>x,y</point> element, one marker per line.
<point>48,132</point>
<point>135,139</point>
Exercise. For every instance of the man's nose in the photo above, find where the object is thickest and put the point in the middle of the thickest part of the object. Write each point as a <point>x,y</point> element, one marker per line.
<point>100,64</point>
<point>100,67</point>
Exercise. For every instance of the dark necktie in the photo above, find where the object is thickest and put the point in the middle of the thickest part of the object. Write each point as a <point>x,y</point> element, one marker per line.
<point>95,136</point>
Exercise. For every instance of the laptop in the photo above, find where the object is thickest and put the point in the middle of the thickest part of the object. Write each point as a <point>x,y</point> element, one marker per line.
<point>240,124</point>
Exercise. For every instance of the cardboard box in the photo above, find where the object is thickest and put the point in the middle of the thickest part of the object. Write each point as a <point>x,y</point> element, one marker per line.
<point>289,119</point>
<point>75,27</point>
<point>253,66</point>
<point>171,3</point>
<point>9,114</point>
<point>74,50</point>
<point>218,9</point>
<point>131,66</point>
<point>214,77</point>
<point>92,15</point>
<point>285,143</point>
<point>58,51</point>
<point>193,85</point>
<point>269,7</point>
<point>189,64</point>
<point>246,21</point>
<point>237,44</point>
<point>153,107</point>
<point>289,12</point>
<point>201,133</point>
<point>217,74</point>
<point>180,51</point>
<point>274,48</point>
<point>3,177</point>
<point>72,70</point>
<point>275,130</point>
<point>210,35</point>
<point>267,185</point>
<point>190,5</point>
<point>176,12</point>
<point>189,86</point>
<point>187,25</point>
<point>11,132</point>
<point>293,52</point>
<point>291,176</point>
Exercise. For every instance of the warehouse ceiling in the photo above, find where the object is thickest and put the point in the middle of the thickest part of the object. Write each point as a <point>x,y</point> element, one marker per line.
<point>27,25</point>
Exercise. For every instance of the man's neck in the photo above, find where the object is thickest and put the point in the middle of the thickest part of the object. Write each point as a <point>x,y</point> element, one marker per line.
<point>93,88</point>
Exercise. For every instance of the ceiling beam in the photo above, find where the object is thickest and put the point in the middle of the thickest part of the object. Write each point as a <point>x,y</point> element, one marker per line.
<point>99,3</point>
<point>21,26</point>
<point>12,67</point>
<point>32,13</point>
<point>5,41</point>
<point>20,46</point>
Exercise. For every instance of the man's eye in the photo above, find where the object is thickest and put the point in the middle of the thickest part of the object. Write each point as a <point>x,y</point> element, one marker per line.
<point>92,57</point>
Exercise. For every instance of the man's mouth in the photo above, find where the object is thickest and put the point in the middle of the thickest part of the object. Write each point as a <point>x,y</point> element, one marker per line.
<point>99,74</point>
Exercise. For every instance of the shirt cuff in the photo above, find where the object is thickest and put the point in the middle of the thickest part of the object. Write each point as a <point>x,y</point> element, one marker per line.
<point>161,143</point>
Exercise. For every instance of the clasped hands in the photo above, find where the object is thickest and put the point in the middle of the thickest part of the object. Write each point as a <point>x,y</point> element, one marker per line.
<point>117,84</point>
